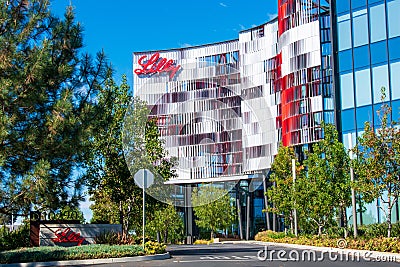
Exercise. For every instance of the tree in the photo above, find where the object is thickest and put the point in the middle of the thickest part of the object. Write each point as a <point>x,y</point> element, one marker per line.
<point>168,223</point>
<point>322,186</point>
<point>120,148</point>
<point>325,191</point>
<point>377,164</point>
<point>47,95</point>
<point>212,207</point>
<point>281,193</point>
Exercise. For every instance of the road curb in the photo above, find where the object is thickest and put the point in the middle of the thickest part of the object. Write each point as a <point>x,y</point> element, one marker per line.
<point>369,254</point>
<point>90,261</point>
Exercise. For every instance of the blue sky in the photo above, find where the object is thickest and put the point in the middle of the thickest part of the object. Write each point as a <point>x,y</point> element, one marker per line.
<point>125,26</point>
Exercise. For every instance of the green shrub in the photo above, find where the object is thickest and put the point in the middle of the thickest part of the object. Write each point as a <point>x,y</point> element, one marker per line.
<point>378,230</point>
<point>152,247</point>
<point>70,253</point>
<point>114,238</point>
<point>202,242</point>
<point>271,235</point>
<point>15,239</point>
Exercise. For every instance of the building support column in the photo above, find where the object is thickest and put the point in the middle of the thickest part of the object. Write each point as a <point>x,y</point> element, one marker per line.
<point>248,217</point>
<point>188,214</point>
<point>239,212</point>
<point>266,203</point>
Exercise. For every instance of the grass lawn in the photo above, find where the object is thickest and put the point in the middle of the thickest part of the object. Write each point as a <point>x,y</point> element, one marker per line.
<point>56,253</point>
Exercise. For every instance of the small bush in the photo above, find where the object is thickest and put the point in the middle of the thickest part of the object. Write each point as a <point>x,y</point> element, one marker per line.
<point>152,247</point>
<point>14,239</point>
<point>271,235</point>
<point>113,238</point>
<point>202,242</point>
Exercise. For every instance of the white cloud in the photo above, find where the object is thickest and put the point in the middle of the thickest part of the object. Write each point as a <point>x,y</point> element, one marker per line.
<point>242,27</point>
<point>223,4</point>
<point>184,45</point>
<point>272,16</point>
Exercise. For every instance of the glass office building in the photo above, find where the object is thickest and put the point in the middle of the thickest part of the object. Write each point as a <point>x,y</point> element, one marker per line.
<point>367,47</point>
<point>223,108</point>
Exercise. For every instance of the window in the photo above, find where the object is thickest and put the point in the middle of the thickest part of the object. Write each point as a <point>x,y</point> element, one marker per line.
<point>344,32</point>
<point>377,22</point>
<point>348,120</point>
<point>358,3</point>
<point>378,52</point>
<point>396,110</point>
<point>343,6</point>
<point>360,28</point>
<point>349,139</point>
<point>393,8</point>
<point>361,57</point>
<point>395,80</point>
<point>394,48</point>
<point>380,79</point>
<point>345,60</point>
<point>363,87</point>
<point>346,90</point>
<point>363,115</point>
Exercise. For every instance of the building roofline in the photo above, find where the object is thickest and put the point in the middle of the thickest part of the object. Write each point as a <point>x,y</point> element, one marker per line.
<point>184,48</point>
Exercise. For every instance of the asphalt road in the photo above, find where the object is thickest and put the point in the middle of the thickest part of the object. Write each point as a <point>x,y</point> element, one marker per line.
<point>244,255</point>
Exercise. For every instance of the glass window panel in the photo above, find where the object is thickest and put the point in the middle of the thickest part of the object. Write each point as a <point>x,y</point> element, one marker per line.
<point>349,139</point>
<point>378,52</point>
<point>363,87</point>
<point>393,9</point>
<point>395,80</point>
<point>377,23</point>
<point>378,117</point>
<point>348,123</point>
<point>360,28</point>
<point>380,79</point>
<point>363,115</point>
<point>394,48</point>
<point>375,1</point>
<point>344,35</point>
<point>342,6</point>
<point>361,57</point>
<point>396,110</point>
<point>357,3</point>
<point>346,90</point>
<point>345,60</point>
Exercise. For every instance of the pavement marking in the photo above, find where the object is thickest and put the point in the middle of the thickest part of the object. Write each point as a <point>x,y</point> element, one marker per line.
<point>220,259</point>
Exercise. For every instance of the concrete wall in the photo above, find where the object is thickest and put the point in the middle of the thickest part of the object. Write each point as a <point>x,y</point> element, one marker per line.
<point>84,233</point>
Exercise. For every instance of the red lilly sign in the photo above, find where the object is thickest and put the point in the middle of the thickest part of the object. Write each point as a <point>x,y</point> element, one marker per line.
<point>68,236</point>
<point>157,64</point>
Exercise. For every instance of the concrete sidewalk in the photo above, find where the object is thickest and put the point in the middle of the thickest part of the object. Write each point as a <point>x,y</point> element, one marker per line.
<point>90,262</point>
<point>364,254</point>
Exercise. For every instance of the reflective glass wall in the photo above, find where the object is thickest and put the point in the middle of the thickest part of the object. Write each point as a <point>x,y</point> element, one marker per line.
<point>368,58</point>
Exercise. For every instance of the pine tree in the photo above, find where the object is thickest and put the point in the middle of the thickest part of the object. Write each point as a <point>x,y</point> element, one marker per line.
<point>47,93</point>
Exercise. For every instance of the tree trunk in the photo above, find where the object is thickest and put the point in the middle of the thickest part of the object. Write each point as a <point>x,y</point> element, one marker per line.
<point>389,221</point>
<point>166,236</point>
<point>320,230</point>
<point>212,235</point>
<point>344,214</point>
<point>158,237</point>
<point>121,219</point>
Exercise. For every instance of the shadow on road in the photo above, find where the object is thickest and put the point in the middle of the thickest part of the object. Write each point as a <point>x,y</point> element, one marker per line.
<point>195,250</point>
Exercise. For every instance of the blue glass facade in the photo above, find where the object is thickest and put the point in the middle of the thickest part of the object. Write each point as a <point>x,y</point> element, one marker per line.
<point>368,58</point>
